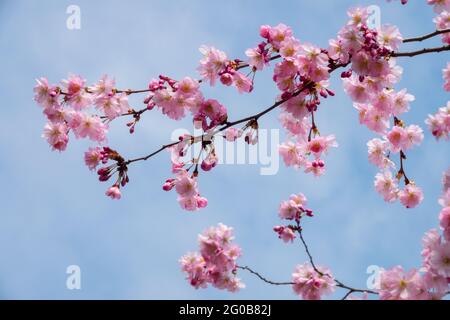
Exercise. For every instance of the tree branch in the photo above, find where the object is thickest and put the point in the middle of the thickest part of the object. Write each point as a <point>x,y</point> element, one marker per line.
<point>419,52</point>
<point>427,36</point>
<point>265,279</point>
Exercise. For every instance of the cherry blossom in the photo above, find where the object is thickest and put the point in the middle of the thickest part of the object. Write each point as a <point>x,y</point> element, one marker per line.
<point>439,124</point>
<point>367,61</point>
<point>396,284</point>
<point>311,285</point>
<point>215,263</point>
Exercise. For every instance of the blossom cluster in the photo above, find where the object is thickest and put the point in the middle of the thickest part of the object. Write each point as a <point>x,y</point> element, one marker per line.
<point>302,77</point>
<point>433,279</point>
<point>292,210</point>
<point>369,83</point>
<point>312,284</point>
<point>66,108</point>
<point>215,263</point>
<point>215,65</point>
<point>186,186</point>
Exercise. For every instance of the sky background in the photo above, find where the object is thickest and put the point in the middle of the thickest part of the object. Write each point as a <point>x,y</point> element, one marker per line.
<point>54,213</point>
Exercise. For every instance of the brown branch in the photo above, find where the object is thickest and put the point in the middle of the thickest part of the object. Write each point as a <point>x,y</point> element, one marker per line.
<point>420,52</point>
<point>427,36</point>
<point>265,279</point>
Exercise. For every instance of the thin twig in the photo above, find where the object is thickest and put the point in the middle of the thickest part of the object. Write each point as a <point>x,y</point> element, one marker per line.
<point>265,279</point>
<point>420,52</point>
<point>427,36</point>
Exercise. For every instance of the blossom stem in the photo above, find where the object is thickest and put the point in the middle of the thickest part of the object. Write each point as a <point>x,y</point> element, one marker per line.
<point>427,36</point>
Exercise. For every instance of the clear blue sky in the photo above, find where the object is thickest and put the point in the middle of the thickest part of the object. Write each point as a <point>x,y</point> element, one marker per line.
<point>54,214</point>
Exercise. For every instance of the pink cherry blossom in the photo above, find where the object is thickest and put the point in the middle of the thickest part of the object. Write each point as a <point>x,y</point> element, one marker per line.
<point>377,153</point>
<point>285,233</point>
<point>411,196</point>
<point>389,36</point>
<point>401,102</point>
<point>439,124</point>
<point>440,260</point>
<point>56,135</point>
<point>114,192</point>
<point>387,186</point>
<point>242,83</point>
<point>317,167</point>
<point>320,145</point>
<point>292,154</point>
<point>46,95</point>
<point>311,285</point>
<point>214,61</point>
<point>92,157</point>
<point>258,57</point>
<point>396,284</point>
<point>440,5</point>
<point>215,264</point>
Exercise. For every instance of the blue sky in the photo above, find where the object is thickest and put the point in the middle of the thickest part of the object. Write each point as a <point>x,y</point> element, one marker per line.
<point>54,213</point>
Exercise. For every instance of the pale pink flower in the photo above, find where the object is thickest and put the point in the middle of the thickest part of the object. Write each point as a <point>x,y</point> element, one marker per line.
<point>242,83</point>
<point>186,186</point>
<point>377,153</point>
<point>396,284</point>
<point>114,192</point>
<point>397,137</point>
<point>357,90</point>
<point>311,285</point>
<point>411,196</point>
<point>292,154</point>
<point>389,37</point>
<point>383,101</point>
<point>440,5</point>
<point>375,119</point>
<point>293,208</point>
<point>401,102</point>
<point>320,145</point>
<point>440,260</point>
<point>92,157</point>
<point>414,136</point>
<point>297,106</point>
<point>430,241</point>
<point>187,87</point>
<point>317,167</point>
<point>216,262</point>
<point>289,48</point>
<point>213,62</point>
<point>436,284</point>
<point>387,186</point>
<point>285,233</point>
<point>56,135</point>
<point>232,134</point>
<point>278,34</point>
<point>358,16</point>
<point>91,127</point>
<point>46,95</point>
<point>258,57</point>
<point>103,87</point>
<point>113,106</point>
<point>336,51</point>
<point>296,127</point>
<point>439,124</point>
